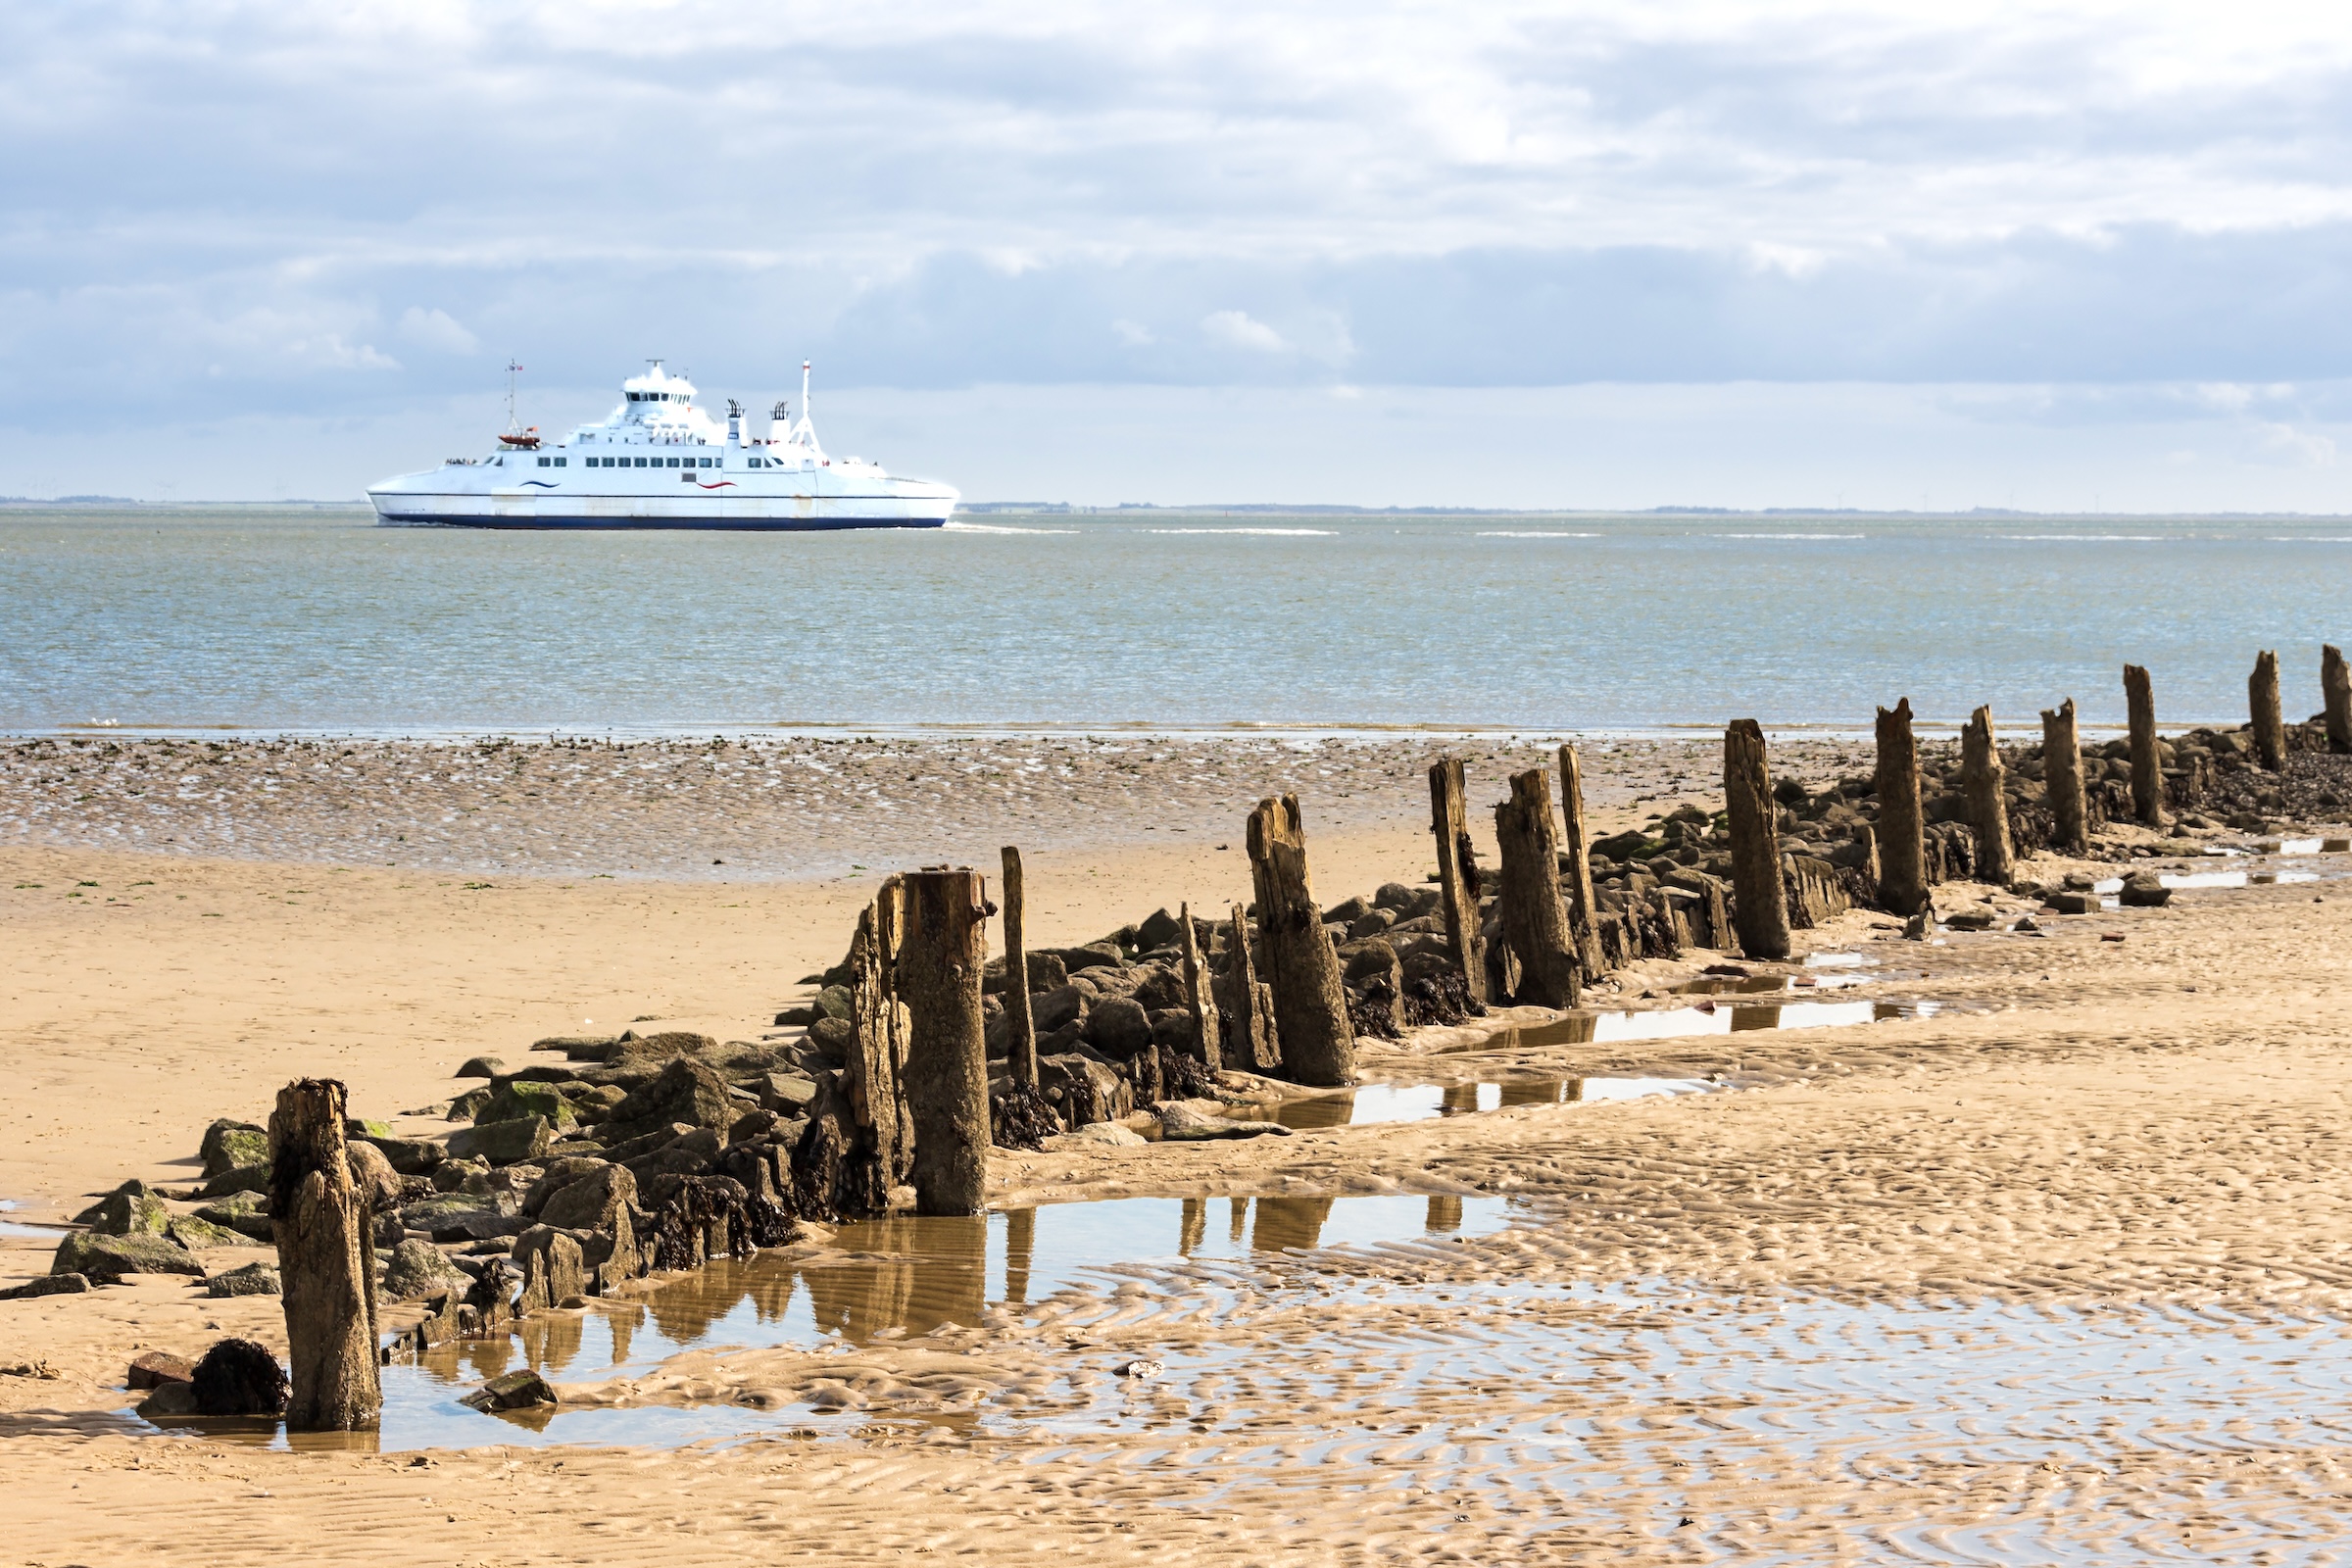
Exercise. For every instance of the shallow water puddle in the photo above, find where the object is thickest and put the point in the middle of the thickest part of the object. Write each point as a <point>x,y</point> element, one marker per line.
<point>1583,1028</point>
<point>1394,1103</point>
<point>879,1280</point>
<point>48,1233</point>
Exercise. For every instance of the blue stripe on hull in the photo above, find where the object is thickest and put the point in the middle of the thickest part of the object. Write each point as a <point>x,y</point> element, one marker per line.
<point>730,525</point>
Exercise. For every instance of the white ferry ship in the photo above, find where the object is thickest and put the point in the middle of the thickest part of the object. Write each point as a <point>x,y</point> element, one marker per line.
<point>660,462</point>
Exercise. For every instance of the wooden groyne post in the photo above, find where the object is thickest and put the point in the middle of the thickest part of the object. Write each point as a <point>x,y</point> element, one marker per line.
<point>2335,697</point>
<point>1902,832</point>
<point>1207,1030</point>
<point>938,974</point>
<point>1576,852</point>
<point>1981,782</point>
<point>1762,915</point>
<point>2262,702</point>
<point>1534,921</point>
<point>1457,872</point>
<point>2062,778</point>
<point>2148,770</point>
<point>1022,1040</point>
<point>1254,1047</point>
<point>1310,1004</point>
<point>326,1260</point>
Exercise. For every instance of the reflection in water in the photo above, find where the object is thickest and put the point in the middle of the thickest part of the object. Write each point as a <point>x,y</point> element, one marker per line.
<point>1374,1103</point>
<point>1020,1244</point>
<point>880,1280</point>
<point>1286,1224</point>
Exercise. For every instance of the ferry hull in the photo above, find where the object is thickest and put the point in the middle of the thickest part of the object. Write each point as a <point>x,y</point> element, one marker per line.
<point>764,515</point>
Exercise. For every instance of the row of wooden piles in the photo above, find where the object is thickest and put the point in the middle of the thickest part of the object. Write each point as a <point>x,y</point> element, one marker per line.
<point>915,1108</point>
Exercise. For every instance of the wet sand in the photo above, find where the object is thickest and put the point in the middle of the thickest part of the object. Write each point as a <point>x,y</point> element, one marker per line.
<point>2062,1277</point>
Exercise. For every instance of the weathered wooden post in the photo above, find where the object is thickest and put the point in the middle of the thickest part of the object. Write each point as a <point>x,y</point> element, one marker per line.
<point>1534,922</point>
<point>1901,830</point>
<point>2262,699</point>
<point>1207,1029</point>
<point>2335,696</point>
<point>1762,915</point>
<point>1981,781</point>
<point>326,1260</point>
<point>938,974</point>
<point>1576,848</point>
<point>1252,1046</point>
<point>2062,778</point>
<point>2147,769</point>
<point>1457,872</point>
<point>1311,1006</point>
<point>1021,1038</point>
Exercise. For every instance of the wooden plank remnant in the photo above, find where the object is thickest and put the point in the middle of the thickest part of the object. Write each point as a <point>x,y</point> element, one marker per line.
<point>1250,1043</point>
<point>1457,872</point>
<point>1021,1033</point>
<point>2262,702</point>
<point>1981,785</point>
<point>326,1261</point>
<point>2148,770</point>
<point>1760,902</point>
<point>2335,696</point>
<point>2062,778</point>
<point>1310,1004</point>
<point>1207,1030</point>
<point>1534,920</point>
<point>1901,829</point>
<point>940,958</point>
<point>1576,856</point>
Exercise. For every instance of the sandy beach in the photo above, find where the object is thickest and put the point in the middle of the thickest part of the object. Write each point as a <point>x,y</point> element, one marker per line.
<point>2057,1267</point>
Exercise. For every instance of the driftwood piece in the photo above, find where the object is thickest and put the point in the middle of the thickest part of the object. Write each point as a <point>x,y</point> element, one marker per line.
<point>938,972</point>
<point>1248,1009</point>
<point>1576,856</point>
<point>2335,697</point>
<point>1981,785</point>
<point>1457,872</point>
<point>1209,1043</point>
<point>2062,779</point>
<point>1901,829</point>
<point>2148,771</point>
<point>1020,1050</point>
<point>2263,706</point>
<point>326,1261</point>
<point>1310,1004</point>
<point>877,1059</point>
<point>1534,921</point>
<point>1760,904</point>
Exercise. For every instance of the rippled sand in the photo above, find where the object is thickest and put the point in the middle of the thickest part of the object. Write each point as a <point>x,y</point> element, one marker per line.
<point>2061,1277</point>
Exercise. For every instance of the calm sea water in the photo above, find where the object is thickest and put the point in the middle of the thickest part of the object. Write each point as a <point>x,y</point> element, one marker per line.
<point>306,620</point>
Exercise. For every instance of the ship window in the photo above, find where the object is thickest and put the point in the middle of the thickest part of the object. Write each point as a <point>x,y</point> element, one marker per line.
<point>560,462</point>
<point>543,463</point>
<point>641,463</point>
<point>672,463</point>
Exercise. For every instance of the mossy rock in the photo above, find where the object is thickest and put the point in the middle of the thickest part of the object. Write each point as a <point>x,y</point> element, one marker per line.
<point>110,1258</point>
<point>192,1232</point>
<point>515,1100</point>
<point>228,1144</point>
<point>130,1210</point>
<point>244,1179</point>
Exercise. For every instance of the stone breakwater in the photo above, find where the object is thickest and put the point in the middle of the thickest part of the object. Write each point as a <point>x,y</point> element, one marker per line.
<point>784,808</point>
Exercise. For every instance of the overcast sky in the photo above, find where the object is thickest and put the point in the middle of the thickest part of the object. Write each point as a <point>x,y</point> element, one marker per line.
<point>2050,255</point>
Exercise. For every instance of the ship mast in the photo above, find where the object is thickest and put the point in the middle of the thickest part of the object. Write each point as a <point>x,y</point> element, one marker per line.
<point>512,369</point>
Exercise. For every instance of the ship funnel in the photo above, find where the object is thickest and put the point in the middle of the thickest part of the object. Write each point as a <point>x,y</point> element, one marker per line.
<point>734,423</point>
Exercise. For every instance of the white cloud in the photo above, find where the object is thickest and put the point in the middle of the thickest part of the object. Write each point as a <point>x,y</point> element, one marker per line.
<point>1237,329</point>
<point>436,331</point>
<point>1132,333</point>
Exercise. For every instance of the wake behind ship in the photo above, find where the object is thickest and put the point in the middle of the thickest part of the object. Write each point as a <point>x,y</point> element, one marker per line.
<point>660,462</point>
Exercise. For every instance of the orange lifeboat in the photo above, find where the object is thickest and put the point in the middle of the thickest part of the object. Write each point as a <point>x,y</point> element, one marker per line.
<point>527,440</point>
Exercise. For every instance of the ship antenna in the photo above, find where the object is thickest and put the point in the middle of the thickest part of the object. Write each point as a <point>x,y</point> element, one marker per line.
<point>512,369</point>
